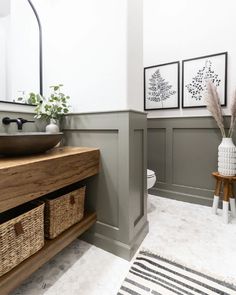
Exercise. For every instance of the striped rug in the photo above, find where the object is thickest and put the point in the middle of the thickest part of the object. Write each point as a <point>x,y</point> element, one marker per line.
<point>152,274</point>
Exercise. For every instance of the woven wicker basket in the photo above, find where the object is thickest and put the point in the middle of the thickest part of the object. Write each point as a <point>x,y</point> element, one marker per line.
<point>21,235</point>
<point>62,212</point>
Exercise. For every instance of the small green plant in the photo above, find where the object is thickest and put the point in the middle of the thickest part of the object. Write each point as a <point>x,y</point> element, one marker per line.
<point>53,107</point>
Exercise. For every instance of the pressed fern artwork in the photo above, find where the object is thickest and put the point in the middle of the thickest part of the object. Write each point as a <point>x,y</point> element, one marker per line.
<point>161,88</point>
<point>197,73</point>
<point>198,84</point>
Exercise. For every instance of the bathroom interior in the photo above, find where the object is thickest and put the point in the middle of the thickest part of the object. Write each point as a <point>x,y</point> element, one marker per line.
<point>151,217</point>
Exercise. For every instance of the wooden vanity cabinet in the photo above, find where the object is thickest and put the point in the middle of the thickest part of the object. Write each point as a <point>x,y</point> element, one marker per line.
<point>27,178</point>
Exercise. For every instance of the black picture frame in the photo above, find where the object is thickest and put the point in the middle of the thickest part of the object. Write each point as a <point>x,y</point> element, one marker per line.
<point>193,87</point>
<point>163,73</point>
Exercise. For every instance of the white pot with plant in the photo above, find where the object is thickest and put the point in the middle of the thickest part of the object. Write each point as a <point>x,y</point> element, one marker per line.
<point>227,149</point>
<point>51,109</point>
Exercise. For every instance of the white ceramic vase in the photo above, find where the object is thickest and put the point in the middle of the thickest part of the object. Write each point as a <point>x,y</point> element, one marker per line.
<point>52,127</point>
<point>227,157</point>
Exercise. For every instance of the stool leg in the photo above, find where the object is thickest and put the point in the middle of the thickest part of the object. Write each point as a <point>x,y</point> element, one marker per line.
<point>226,212</point>
<point>232,199</point>
<point>232,207</point>
<point>216,196</point>
<point>215,204</point>
<point>226,202</point>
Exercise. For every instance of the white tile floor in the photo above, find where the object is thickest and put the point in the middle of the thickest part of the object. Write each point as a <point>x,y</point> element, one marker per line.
<point>184,232</point>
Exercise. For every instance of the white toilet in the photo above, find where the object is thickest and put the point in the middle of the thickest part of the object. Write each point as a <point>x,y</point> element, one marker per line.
<point>151,178</point>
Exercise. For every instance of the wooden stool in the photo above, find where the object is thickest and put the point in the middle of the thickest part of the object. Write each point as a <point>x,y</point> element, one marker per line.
<point>228,195</point>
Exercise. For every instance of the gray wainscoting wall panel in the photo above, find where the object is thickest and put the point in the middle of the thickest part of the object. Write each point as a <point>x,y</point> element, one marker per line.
<point>118,193</point>
<point>27,127</point>
<point>107,141</point>
<point>183,153</point>
<point>156,147</point>
<point>136,176</point>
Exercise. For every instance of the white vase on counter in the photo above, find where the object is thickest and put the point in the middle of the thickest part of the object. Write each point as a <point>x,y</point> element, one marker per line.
<point>227,157</point>
<point>52,127</point>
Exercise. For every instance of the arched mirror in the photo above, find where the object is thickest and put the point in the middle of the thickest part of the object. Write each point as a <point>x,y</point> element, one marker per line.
<point>20,51</point>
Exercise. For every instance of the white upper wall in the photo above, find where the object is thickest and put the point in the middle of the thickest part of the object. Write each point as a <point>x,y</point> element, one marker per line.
<point>135,54</point>
<point>5,7</point>
<point>182,29</point>
<point>87,47</point>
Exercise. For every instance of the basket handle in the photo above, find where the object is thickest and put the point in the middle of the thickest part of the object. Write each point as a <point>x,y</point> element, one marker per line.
<point>18,228</point>
<point>72,200</point>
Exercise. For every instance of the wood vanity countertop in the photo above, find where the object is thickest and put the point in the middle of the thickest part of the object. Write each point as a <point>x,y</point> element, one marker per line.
<point>26,178</point>
<point>7,162</point>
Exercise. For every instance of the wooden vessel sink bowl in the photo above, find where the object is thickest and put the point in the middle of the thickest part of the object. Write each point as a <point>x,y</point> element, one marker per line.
<point>27,143</point>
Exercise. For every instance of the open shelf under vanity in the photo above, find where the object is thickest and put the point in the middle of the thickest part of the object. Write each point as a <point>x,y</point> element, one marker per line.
<point>54,170</point>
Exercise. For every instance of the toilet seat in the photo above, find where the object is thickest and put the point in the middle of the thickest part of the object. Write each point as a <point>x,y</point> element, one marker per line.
<point>151,178</point>
<point>150,173</point>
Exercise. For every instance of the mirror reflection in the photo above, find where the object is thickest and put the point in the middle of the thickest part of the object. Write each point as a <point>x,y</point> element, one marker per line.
<point>19,51</point>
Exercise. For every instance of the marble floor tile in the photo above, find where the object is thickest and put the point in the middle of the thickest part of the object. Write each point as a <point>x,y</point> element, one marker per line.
<point>186,233</point>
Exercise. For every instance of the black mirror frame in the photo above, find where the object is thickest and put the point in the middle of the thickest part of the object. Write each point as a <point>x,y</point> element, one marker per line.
<point>40,56</point>
<point>40,48</point>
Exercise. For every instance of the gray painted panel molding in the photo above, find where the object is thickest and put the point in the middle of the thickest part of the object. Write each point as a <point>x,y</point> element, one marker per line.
<point>28,127</point>
<point>183,153</point>
<point>118,193</point>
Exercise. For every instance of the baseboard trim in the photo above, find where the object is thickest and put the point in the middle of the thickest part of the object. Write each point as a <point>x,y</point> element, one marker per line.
<point>194,199</point>
<point>116,247</point>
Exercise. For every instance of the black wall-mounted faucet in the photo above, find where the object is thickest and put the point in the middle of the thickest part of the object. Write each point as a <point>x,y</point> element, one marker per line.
<point>18,121</point>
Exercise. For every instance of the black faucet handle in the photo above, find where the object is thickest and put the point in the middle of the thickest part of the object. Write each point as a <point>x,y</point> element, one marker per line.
<point>18,121</point>
<point>6,121</point>
<point>26,121</point>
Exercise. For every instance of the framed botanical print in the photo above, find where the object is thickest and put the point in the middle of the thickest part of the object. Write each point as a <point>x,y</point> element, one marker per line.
<point>196,72</point>
<point>161,86</point>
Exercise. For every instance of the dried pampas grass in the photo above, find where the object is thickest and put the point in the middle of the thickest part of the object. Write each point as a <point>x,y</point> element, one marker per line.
<point>233,115</point>
<point>214,107</point>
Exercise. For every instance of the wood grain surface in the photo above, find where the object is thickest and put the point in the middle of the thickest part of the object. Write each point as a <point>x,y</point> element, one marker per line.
<point>23,179</point>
